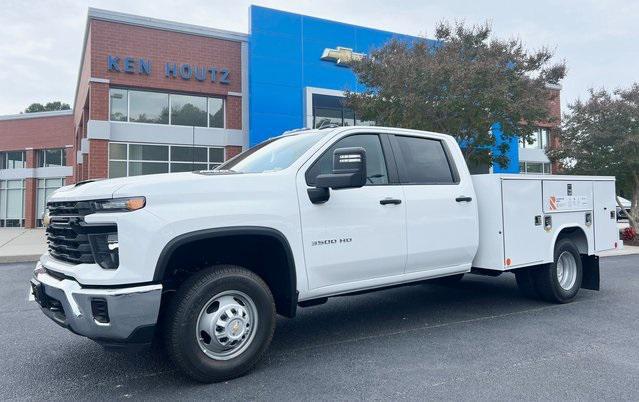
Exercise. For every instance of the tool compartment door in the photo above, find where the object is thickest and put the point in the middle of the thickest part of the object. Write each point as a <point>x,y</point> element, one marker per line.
<point>605,215</point>
<point>524,237</point>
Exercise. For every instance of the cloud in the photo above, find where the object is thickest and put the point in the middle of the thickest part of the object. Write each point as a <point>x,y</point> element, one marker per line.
<point>41,41</point>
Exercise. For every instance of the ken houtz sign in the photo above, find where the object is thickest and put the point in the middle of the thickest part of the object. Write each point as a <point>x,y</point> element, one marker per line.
<point>133,65</point>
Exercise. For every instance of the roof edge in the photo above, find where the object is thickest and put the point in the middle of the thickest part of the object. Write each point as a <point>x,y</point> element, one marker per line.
<point>21,116</point>
<point>138,20</point>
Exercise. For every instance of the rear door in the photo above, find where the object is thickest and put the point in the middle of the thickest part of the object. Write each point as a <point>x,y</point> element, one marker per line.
<point>441,212</point>
<point>605,219</point>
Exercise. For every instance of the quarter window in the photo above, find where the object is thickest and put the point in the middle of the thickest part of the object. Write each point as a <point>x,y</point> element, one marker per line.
<point>425,160</point>
<point>375,163</point>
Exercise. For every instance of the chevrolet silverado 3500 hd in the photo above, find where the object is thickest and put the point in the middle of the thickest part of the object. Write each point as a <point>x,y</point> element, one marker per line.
<point>204,260</point>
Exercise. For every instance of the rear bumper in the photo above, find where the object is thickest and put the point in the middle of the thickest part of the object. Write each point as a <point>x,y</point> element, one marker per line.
<point>132,311</point>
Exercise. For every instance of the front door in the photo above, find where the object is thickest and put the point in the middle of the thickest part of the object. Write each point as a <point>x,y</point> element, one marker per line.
<point>353,237</point>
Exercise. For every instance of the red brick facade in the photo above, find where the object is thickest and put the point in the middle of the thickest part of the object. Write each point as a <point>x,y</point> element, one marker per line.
<point>156,47</point>
<point>39,132</point>
<point>29,133</point>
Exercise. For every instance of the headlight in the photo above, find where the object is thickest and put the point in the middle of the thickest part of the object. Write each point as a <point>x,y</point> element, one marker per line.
<point>119,204</point>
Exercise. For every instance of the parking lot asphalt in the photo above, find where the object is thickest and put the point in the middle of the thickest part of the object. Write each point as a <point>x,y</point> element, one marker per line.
<point>479,339</point>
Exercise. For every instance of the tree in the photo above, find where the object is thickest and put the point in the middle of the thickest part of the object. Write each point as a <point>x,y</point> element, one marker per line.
<point>462,84</point>
<point>48,107</point>
<point>601,136</point>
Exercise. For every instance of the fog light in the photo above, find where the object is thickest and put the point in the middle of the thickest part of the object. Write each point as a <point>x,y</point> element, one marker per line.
<point>105,248</point>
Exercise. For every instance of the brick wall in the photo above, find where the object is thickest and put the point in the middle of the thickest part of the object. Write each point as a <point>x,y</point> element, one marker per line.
<point>98,163</point>
<point>232,150</point>
<point>37,133</point>
<point>160,47</point>
<point>234,112</point>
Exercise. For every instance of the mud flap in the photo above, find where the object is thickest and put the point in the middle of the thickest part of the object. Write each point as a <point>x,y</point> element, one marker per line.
<point>590,278</point>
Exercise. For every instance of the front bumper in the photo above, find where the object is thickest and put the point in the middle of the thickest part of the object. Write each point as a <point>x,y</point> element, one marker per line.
<point>132,311</point>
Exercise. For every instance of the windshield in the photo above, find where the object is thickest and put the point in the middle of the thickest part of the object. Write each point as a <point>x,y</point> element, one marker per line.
<point>273,155</point>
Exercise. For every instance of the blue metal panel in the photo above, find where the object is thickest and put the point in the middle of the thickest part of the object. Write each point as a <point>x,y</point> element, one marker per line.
<point>284,59</point>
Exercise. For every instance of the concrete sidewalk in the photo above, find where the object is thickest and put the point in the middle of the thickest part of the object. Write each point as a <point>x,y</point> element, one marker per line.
<point>18,244</point>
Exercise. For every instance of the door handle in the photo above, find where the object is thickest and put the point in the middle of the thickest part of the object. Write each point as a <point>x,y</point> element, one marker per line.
<point>386,201</point>
<point>463,198</point>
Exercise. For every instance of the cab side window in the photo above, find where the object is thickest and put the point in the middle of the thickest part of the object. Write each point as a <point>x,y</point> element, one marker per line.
<point>375,163</point>
<point>425,160</point>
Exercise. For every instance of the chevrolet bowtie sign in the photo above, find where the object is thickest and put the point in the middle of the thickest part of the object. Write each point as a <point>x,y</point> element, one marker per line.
<point>342,56</point>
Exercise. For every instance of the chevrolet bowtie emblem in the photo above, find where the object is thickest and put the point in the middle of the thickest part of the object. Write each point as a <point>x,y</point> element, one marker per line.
<point>342,56</point>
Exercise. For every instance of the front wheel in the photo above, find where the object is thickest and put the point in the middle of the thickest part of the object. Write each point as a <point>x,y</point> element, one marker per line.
<point>560,281</point>
<point>220,323</point>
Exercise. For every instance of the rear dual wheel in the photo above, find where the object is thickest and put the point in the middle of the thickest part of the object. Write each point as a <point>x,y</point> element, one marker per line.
<point>557,282</point>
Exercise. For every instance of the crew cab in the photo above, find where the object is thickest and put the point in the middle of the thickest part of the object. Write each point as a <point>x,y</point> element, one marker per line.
<point>205,260</point>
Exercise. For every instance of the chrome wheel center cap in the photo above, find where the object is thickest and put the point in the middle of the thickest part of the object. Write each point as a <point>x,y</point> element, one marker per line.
<point>235,329</point>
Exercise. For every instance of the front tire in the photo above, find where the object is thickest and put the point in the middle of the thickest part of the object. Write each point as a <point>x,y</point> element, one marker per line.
<point>560,281</point>
<point>219,323</point>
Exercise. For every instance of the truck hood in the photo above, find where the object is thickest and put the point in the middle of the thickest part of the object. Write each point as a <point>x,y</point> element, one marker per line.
<point>155,185</point>
<point>90,190</point>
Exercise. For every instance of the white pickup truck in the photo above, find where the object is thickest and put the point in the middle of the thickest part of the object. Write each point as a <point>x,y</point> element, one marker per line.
<point>205,260</point>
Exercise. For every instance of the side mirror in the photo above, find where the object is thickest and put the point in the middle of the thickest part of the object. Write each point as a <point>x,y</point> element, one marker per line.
<point>349,171</point>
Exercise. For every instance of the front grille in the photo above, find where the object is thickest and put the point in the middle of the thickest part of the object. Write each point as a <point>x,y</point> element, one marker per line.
<point>68,234</point>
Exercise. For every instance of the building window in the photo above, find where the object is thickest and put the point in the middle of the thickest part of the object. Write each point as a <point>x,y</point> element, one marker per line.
<point>535,168</point>
<point>148,107</point>
<point>11,203</point>
<point>126,159</point>
<point>118,104</point>
<point>540,140</point>
<point>329,109</point>
<point>216,112</point>
<point>46,187</point>
<point>188,110</point>
<point>163,108</point>
<point>12,160</point>
<point>52,157</point>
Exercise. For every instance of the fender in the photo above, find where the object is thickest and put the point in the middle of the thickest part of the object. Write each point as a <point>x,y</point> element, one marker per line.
<point>172,245</point>
<point>551,250</point>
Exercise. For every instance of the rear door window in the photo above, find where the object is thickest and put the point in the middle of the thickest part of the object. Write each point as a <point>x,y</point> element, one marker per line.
<point>425,161</point>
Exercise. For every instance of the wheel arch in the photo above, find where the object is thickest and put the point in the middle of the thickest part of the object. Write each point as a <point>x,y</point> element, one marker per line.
<point>577,235</point>
<point>282,280</point>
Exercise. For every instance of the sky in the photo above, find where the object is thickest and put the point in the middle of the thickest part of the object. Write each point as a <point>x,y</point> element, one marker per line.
<point>41,41</point>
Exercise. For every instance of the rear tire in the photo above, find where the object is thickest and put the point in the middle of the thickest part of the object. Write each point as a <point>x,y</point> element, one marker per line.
<point>219,323</point>
<point>560,281</point>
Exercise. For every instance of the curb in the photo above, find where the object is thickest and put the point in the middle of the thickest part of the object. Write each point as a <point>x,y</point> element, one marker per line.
<point>7,259</point>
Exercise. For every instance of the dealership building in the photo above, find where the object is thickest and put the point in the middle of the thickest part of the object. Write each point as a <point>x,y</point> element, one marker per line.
<point>155,96</point>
